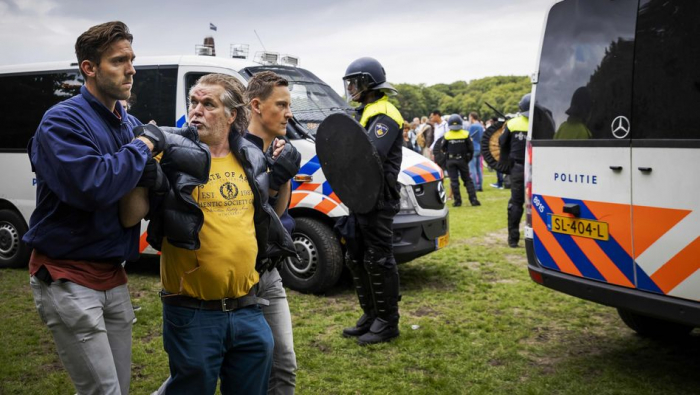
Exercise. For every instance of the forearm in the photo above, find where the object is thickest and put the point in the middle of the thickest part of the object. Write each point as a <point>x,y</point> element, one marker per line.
<point>133,207</point>
<point>285,193</point>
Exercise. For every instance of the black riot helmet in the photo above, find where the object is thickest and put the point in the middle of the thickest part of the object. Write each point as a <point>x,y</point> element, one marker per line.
<point>363,75</point>
<point>524,105</point>
<point>455,122</point>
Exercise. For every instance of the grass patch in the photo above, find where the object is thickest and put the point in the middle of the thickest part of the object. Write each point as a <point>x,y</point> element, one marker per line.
<point>483,327</point>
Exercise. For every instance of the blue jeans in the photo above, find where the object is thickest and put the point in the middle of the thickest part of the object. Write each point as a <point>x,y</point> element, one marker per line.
<point>475,170</point>
<point>284,365</point>
<point>205,345</point>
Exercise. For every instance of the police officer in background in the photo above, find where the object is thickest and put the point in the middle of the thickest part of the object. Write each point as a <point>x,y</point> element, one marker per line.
<point>515,137</point>
<point>460,150</point>
<point>370,256</point>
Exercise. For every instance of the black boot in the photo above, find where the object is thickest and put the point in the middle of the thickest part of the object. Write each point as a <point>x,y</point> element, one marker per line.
<point>475,202</point>
<point>361,281</point>
<point>361,327</point>
<point>457,203</point>
<point>385,291</point>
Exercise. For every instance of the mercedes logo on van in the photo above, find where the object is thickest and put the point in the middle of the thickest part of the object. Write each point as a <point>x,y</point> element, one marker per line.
<point>620,127</point>
<point>441,192</point>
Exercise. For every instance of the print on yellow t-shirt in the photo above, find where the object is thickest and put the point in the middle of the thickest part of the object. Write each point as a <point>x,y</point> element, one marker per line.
<point>224,266</point>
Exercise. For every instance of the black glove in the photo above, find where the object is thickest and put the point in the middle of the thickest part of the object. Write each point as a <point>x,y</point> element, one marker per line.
<point>154,178</point>
<point>153,133</point>
<point>284,167</point>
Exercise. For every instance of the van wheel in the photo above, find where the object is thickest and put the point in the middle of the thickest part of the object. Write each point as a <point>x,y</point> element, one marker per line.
<point>653,327</point>
<point>13,252</point>
<point>321,258</point>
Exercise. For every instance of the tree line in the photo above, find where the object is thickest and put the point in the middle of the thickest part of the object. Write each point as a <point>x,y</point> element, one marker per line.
<point>502,92</point>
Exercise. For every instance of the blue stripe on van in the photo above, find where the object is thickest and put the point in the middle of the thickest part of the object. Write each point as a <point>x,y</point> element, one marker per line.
<point>180,122</point>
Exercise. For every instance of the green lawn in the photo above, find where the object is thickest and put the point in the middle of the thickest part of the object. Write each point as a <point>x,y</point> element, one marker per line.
<point>471,319</point>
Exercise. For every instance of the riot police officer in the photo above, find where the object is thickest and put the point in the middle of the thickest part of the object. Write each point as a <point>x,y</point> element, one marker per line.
<point>370,256</point>
<point>515,137</point>
<point>459,149</point>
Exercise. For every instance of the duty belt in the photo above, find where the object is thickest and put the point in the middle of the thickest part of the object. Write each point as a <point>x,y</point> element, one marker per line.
<point>226,304</point>
<point>455,156</point>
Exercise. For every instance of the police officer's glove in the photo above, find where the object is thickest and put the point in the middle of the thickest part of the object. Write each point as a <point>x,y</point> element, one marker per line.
<point>154,134</point>
<point>284,167</point>
<point>154,178</point>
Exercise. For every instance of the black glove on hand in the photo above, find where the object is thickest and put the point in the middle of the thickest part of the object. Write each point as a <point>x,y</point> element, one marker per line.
<point>154,178</point>
<point>284,167</point>
<point>153,133</point>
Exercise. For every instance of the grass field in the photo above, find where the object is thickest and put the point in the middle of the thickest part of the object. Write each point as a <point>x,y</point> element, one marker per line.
<point>481,327</point>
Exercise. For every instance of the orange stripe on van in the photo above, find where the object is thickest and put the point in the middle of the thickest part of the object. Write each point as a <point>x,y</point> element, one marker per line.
<point>618,217</point>
<point>297,197</point>
<point>308,186</point>
<point>553,247</point>
<point>602,262</point>
<point>679,268</point>
<point>427,176</point>
<point>334,197</point>
<point>326,206</point>
<point>143,244</point>
<point>650,223</point>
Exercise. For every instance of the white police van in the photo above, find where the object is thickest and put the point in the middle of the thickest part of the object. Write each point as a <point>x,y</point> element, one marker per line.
<point>160,94</point>
<point>613,211</point>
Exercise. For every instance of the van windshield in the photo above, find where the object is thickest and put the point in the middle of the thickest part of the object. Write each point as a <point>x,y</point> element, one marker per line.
<point>312,99</point>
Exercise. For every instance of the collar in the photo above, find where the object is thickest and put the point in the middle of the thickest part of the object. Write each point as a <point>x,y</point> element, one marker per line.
<point>254,139</point>
<point>102,110</point>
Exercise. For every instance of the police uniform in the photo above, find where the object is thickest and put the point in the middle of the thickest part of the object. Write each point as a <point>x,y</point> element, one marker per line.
<point>370,252</point>
<point>515,136</point>
<point>460,150</point>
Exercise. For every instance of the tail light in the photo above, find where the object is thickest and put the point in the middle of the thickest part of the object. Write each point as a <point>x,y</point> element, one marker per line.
<point>528,184</point>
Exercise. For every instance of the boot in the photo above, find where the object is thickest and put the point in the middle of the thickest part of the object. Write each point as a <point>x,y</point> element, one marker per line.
<point>385,291</point>
<point>363,287</point>
<point>475,202</point>
<point>381,331</point>
<point>361,327</point>
<point>457,203</point>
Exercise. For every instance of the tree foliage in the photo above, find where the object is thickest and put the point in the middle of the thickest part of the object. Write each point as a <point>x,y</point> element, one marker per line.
<point>502,92</point>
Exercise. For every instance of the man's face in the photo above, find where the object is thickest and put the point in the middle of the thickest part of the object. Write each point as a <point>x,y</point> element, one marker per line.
<point>434,118</point>
<point>275,111</point>
<point>208,114</point>
<point>114,75</point>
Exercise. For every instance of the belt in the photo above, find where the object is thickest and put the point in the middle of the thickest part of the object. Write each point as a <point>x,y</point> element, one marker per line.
<point>454,156</point>
<point>226,304</point>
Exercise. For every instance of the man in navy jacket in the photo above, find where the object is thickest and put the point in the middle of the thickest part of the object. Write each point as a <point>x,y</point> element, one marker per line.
<point>86,159</point>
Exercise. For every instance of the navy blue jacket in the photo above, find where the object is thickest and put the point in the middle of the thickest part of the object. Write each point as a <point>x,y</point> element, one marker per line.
<point>85,161</point>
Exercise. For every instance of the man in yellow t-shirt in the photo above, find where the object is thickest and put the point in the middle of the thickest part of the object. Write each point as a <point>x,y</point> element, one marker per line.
<point>213,327</point>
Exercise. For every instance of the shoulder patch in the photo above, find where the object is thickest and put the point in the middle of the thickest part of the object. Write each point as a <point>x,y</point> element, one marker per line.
<point>380,130</point>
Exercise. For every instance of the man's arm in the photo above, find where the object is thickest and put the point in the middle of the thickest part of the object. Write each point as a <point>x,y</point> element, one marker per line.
<point>382,132</point>
<point>67,158</point>
<point>283,196</point>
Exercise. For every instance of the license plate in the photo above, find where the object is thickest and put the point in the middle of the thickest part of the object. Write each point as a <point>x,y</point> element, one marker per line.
<point>441,242</point>
<point>579,227</point>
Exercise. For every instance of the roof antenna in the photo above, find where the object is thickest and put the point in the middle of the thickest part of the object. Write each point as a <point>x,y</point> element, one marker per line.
<point>261,43</point>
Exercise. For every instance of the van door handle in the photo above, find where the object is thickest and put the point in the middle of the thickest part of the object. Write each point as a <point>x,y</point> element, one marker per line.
<point>615,168</point>
<point>645,169</point>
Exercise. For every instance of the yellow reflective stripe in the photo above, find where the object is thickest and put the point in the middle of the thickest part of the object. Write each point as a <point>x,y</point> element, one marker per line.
<point>381,106</point>
<point>457,135</point>
<point>518,124</point>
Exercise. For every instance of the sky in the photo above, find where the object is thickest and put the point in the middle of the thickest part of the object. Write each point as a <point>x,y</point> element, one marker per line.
<point>429,42</point>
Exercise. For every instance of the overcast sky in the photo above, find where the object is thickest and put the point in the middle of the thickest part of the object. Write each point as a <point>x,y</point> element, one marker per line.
<point>439,41</point>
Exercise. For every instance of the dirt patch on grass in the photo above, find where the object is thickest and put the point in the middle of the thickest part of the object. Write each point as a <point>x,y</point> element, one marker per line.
<point>425,311</point>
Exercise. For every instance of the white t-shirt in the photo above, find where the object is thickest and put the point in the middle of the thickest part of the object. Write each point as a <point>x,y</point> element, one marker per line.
<point>440,130</point>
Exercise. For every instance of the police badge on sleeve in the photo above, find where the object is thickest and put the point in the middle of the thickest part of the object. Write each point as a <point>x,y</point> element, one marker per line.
<point>380,130</point>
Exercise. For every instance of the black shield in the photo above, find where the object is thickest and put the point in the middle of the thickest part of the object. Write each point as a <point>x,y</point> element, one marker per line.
<point>350,162</point>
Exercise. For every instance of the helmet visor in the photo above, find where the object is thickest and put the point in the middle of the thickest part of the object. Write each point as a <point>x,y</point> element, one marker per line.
<point>355,86</point>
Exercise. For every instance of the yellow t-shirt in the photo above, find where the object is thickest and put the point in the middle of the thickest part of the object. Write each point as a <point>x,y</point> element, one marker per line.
<point>224,266</point>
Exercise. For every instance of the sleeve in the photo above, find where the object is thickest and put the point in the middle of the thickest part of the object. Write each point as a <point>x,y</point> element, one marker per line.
<point>443,145</point>
<point>470,149</point>
<point>383,132</point>
<point>504,140</point>
<point>68,159</point>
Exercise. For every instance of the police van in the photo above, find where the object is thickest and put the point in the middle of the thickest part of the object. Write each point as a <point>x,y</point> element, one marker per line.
<point>613,214</point>
<point>159,93</point>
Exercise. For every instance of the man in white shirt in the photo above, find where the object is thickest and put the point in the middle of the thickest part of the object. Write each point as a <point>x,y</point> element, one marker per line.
<point>439,125</point>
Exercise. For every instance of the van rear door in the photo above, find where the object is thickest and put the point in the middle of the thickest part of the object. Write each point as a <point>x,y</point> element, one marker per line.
<point>581,175</point>
<point>666,149</point>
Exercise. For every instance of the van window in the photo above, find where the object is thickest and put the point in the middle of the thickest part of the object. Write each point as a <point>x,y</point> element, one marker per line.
<point>667,71</point>
<point>153,95</point>
<point>586,66</point>
<point>24,98</point>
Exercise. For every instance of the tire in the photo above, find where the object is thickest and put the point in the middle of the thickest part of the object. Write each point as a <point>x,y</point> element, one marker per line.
<point>321,260</point>
<point>491,151</point>
<point>653,327</point>
<point>13,252</point>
